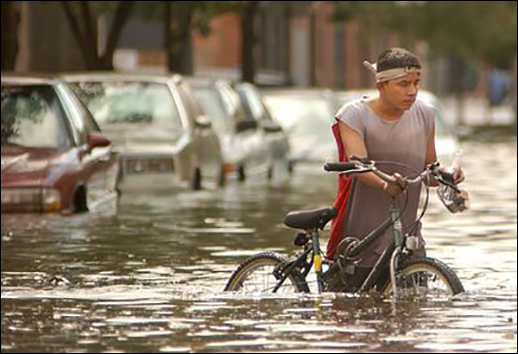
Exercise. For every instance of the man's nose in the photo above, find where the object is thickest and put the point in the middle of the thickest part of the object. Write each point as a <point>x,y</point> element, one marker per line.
<point>412,90</point>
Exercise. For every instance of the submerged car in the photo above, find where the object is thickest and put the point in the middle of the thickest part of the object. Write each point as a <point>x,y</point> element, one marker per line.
<point>275,136</point>
<point>54,156</point>
<point>244,146</point>
<point>165,140</point>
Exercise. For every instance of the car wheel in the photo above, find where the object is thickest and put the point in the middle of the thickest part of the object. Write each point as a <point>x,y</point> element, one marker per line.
<point>196,179</point>
<point>222,178</point>
<point>80,204</point>
<point>269,174</point>
<point>241,174</point>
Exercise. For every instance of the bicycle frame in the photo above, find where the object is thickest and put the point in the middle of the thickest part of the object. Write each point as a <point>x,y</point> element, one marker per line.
<point>380,266</point>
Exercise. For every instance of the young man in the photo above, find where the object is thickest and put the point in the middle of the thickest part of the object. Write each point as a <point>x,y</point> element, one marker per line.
<point>393,127</point>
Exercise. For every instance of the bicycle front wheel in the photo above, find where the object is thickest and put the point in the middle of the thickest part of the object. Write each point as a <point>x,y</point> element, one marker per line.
<point>261,273</point>
<point>426,277</point>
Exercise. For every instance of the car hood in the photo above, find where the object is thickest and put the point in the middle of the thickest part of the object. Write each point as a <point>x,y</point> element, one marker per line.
<point>132,136</point>
<point>27,167</point>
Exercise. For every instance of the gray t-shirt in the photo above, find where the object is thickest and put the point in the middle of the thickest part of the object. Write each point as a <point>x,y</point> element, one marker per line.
<point>403,141</point>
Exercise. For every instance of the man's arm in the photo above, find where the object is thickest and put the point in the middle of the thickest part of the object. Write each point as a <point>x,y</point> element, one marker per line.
<point>355,146</point>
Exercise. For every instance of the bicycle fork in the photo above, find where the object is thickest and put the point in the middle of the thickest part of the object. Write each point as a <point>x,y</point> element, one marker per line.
<point>399,239</point>
<point>317,260</point>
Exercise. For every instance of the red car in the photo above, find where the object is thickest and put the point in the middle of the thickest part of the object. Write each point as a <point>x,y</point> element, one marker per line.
<point>54,156</point>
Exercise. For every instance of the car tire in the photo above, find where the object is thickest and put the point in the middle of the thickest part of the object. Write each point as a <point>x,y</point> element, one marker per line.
<point>196,179</point>
<point>222,178</point>
<point>80,203</point>
<point>241,173</point>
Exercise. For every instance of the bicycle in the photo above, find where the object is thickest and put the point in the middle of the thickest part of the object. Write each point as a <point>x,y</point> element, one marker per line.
<point>270,272</point>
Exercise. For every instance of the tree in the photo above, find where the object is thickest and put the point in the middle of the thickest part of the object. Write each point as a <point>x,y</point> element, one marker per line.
<point>181,19</point>
<point>10,21</point>
<point>82,18</point>
<point>250,40</point>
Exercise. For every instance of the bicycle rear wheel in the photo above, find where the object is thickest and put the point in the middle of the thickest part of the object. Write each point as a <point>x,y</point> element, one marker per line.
<point>261,273</point>
<point>426,277</point>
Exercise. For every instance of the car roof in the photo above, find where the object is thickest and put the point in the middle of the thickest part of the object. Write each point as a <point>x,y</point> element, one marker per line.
<point>197,81</point>
<point>96,76</point>
<point>14,78</point>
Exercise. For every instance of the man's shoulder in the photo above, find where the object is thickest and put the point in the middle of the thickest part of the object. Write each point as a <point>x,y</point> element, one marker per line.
<point>352,107</point>
<point>424,105</point>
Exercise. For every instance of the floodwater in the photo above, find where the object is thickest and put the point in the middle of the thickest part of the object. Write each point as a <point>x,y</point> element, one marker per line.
<point>150,279</point>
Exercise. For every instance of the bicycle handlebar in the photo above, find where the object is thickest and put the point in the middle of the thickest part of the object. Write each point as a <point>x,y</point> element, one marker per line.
<point>364,165</point>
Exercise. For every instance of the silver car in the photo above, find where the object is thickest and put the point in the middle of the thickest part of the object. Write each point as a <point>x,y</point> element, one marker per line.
<point>165,140</point>
<point>276,138</point>
<point>244,146</point>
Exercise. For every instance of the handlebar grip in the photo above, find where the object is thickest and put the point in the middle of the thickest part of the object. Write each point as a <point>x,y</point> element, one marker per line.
<point>446,176</point>
<point>339,166</point>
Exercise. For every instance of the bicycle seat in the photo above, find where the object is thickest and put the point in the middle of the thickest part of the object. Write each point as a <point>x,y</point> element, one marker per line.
<point>309,220</point>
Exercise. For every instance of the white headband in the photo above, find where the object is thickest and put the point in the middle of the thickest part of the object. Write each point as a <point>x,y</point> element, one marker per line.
<point>390,74</point>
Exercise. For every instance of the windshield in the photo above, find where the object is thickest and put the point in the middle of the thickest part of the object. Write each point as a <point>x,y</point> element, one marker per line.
<point>130,103</point>
<point>302,115</point>
<point>32,116</point>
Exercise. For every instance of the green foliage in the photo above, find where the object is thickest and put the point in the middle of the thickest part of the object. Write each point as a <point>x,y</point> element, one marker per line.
<point>484,30</point>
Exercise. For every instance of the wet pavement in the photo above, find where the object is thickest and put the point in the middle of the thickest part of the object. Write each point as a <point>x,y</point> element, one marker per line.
<point>151,277</point>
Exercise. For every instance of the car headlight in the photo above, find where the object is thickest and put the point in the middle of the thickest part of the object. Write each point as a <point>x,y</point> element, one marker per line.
<point>30,200</point>
<point>50,200</point>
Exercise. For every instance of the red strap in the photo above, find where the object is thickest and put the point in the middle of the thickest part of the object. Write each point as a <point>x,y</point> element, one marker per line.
<point>344,186</point>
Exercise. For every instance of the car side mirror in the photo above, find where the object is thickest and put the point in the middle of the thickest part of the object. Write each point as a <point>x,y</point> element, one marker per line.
<point>245,125</point>
<point>203,122</point>
<point>97,140</point>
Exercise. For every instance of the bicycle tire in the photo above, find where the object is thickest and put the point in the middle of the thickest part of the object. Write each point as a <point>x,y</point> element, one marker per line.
<point>241,277</point>
<point>432,267</point>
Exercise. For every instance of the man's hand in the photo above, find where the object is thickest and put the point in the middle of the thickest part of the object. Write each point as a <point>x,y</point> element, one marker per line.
<point>458,176</point>
<point>395,189</point>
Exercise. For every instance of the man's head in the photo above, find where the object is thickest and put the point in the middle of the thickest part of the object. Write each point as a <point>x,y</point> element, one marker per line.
<point>398,75</point>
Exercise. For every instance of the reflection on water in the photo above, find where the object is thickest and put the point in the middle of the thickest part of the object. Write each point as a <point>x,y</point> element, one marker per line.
<point>150,278</point>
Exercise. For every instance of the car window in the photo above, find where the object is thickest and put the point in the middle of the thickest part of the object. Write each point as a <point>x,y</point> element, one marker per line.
<point>231,102</point>
<point>192,106</point>
<point>32,116</point>
<point>252,102</point>
<point>75,114</point>
<point>211,103</point>
<point>131,103</point>
<point>89,121</point>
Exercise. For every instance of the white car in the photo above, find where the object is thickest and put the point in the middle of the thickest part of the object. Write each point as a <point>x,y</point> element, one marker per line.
<point>244,147</point>
<point>165,140</point>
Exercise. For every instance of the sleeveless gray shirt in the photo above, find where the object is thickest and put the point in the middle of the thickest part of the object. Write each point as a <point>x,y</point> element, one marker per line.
<point>404,141</point>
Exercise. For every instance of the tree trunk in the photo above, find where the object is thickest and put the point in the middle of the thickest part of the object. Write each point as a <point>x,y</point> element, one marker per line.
<point>514,71</point>
<point>248,41</point>
<point>122,14</point>
<point>10,21</point>
<point>86,37</point>
<point>178,27</point>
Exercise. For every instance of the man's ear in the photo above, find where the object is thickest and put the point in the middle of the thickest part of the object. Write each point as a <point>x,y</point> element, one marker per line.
<point>381,85</point>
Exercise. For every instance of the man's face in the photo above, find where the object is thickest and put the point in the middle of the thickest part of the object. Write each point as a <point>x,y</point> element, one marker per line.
<point>401,92</point>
